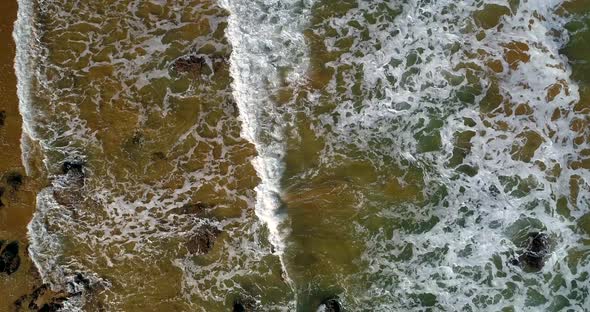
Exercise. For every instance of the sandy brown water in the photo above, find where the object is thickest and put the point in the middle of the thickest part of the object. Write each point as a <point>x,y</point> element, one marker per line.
<point>163,158</point>
<point>18,200</point>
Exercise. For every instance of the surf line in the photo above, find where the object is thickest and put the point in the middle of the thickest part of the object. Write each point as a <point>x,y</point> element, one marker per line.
<point>265,35</point>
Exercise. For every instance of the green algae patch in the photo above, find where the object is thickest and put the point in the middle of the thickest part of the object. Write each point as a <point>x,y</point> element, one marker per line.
<point>490,16</point>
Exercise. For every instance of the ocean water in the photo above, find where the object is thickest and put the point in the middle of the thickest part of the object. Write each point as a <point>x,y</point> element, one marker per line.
<point>394,155</point>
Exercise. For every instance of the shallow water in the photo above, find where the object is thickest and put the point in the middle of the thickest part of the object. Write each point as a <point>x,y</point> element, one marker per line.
<point>392,154</point>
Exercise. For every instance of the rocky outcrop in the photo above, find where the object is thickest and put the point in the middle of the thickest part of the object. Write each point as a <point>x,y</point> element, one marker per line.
<point>72,168</point>
<point>198,209</point>
<point>202,242</point>
<point>244,305</point>
<point>41,299</point>
<point>196,65</point>
<point>537,250</point>
<point>533,257</point>
<point>14,180</point>
<point>330,305</point>
<point>191,64</point>
<point>9,258</point>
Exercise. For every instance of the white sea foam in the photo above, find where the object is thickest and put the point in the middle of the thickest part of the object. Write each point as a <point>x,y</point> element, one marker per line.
<point>470,239</point>
<point>266,37</point>
<point>267,40</point>
<point>118,216</point>
<point>24,39</point>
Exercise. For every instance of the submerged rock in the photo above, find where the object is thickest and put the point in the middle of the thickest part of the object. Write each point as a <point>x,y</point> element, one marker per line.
<point>533,257</point>
<point>191,64</point>
<point>1,203</point>
<point>72,167</point>
<point>538,248</point>
<point>14,179</point>
<point>202,242</point>
<point>330,305</point>
<point>51,307</point>
<point>192,209</point>
<point>9,258</point>
<point>158,156</point>
<point>244,305</point>
<point>71,180</point>
<point>41,299</point>
<point>2,118</point>
<point>78,284</point>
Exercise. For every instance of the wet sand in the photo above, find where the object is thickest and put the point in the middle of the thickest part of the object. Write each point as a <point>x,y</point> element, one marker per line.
<point>18,196</point>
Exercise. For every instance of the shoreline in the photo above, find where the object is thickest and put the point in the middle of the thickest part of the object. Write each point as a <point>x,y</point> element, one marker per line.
<point>18,191</point>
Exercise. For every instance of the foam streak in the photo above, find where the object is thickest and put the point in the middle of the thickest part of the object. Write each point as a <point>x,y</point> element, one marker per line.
<point>266,36</point>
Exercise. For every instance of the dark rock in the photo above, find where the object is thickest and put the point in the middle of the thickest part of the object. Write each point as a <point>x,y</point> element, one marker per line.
<point>36,294</point>
<point>244,305</point>
<point>239,307</point>
<point>1,203</point>
<point>202,242</point>
<point>158,156</point>
<point>537,249</point>
<point>82,280</point>
<point>18,303</point>
<point>533,257</point>
<point>514,261</point>
<point>538,243</point>
<point>51,307</point>
<point>2,118</point>
<point>43,297</point>
<point>79,284</point>
<point>72,167</point>
<point>9,258</point>
<point>14,179</point>
<point>193,209</point>
<point>191,64</point>
<point>331,305</point>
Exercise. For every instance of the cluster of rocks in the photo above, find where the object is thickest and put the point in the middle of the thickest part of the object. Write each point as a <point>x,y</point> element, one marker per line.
<point>41,299</point>
<point>191,64</point>
<point>244,305</point>
<point>203,240</point>
<point>196,209</point>
<point>194,64</point>
<point>12,181</point>
<point>71,181</point>
<point>330,305</point>
<point>75,168</point>
<point>44,299</point>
